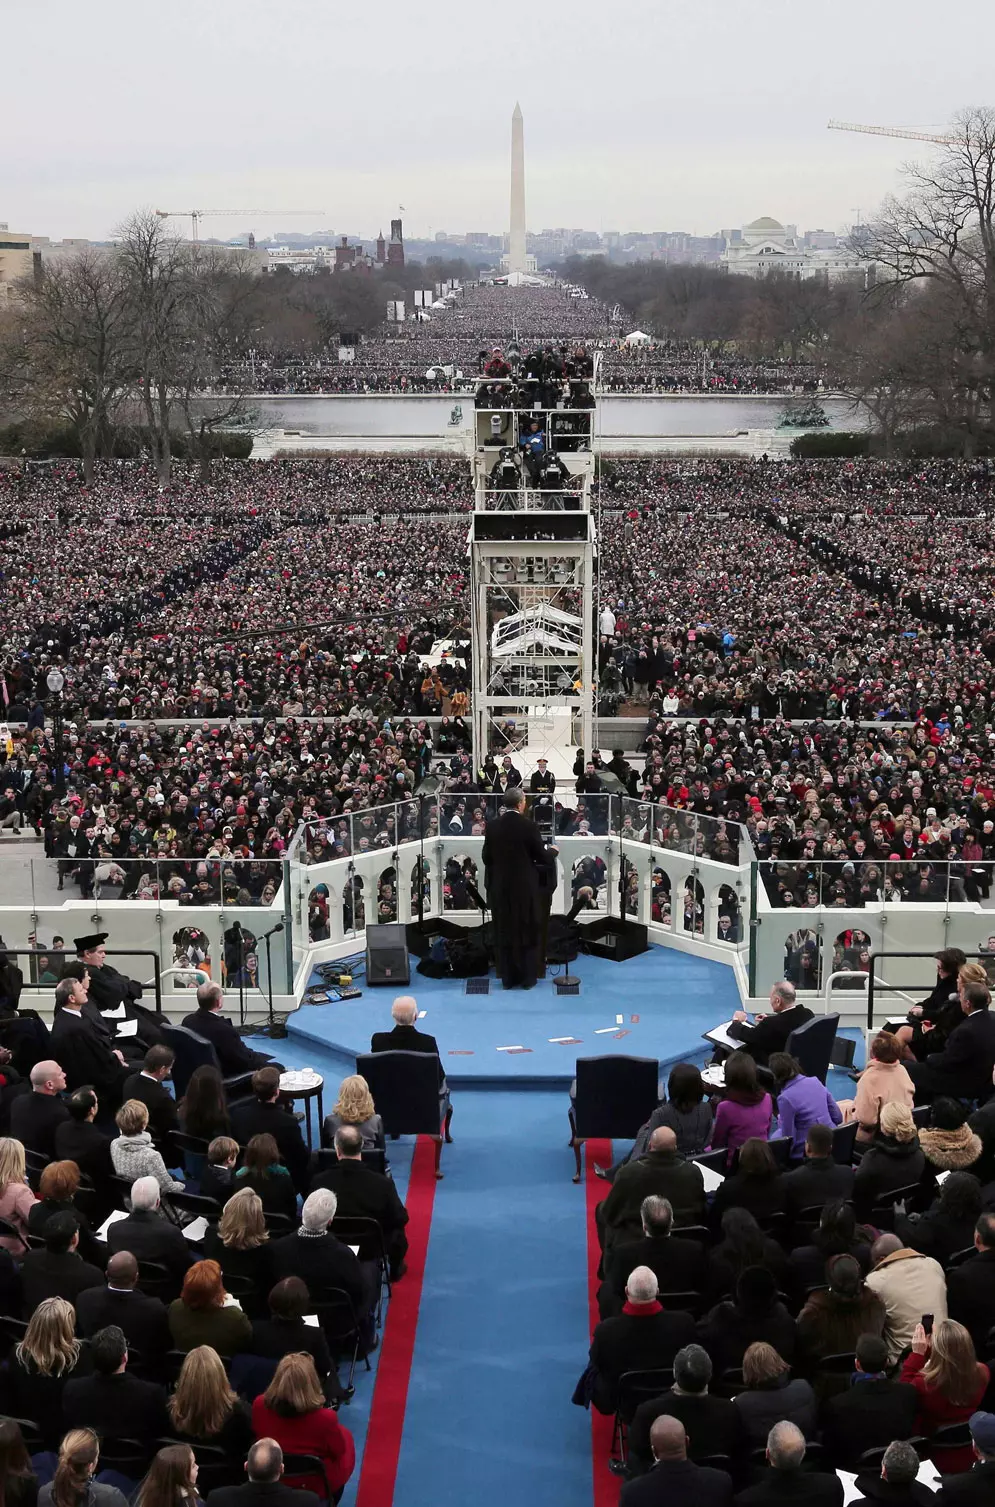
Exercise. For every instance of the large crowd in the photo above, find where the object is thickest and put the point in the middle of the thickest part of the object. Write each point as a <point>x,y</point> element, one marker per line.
<point>746,596</point>
<point>792,1285</point>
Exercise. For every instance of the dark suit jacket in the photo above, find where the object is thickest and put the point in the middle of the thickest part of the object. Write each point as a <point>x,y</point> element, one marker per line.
<point>656,1172</point>
<point>83,1054</point>
<point>971,1297</point>
<point>772,1033</point>
<point>34,1119</point>
<point>161,1107</point>
<point>47,1275</point>
<point>678,1483</point>
<point>714,1427</point>
<point>680,1266</point>
<point>254,1118</point>
<point>143,1319</point>
<point>81,1142</point>
<point>362,1192</point>
<point>260,1494</point>
<point>121,1406</point>
<point>407,1039</point>
<point>964,1067</point>
<point>275,1338</point>
<point>793,1488</point>
<point>635,1342</point>
<point>818,1181</point>
<point>976,1488</point>
<point>233,1055</point>
<point>868,1414</point>
<point>150,1237</point>
<point>321,1262</point>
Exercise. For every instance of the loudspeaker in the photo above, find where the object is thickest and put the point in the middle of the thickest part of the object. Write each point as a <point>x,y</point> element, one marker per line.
<point>387,955</point>
<point>614,939</point>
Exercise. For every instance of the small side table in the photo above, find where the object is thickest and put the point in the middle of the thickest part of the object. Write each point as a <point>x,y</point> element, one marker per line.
<point>306,1086</point>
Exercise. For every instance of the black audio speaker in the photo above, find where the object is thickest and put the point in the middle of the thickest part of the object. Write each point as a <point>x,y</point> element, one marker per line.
<point>387,955</point>
<point>614,939</point>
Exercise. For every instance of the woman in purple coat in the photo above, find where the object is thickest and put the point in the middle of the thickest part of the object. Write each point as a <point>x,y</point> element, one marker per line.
<point>744,1109</point>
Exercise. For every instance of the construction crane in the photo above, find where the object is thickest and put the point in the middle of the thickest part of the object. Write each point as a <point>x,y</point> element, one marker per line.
<point>845,125</point>
<point>196,215</point>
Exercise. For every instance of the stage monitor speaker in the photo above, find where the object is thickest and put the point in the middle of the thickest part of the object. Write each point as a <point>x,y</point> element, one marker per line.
<point>614,939</point>
<point>387,955</point>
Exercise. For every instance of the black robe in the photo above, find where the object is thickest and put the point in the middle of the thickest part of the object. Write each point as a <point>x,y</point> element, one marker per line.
<point>513,857</point>
<point>84,1055</point>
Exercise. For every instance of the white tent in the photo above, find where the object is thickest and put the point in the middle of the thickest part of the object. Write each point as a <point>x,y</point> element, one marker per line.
<point>638,337</point>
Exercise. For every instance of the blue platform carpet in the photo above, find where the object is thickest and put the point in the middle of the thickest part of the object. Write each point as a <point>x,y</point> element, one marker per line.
<point>675,996</point>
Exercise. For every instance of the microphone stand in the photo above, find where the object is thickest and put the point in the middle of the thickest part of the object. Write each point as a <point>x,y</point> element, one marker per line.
<point>271,1028</point>
<point>421,861</point>
<point>237,929</point>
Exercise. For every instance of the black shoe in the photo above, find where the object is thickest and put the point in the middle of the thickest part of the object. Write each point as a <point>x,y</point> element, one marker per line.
<point>601,1171</point>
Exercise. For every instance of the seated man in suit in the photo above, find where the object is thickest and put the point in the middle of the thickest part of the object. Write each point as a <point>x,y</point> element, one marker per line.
<point>363,1193</point>
<point>787,1482</point>
<point>819,1180</point>
<point>143,1320</point>
<point>661,1171</point>
<point>148,1235</point>
<point>871,1412</point>
<point>78,1140</point>
<point>963,1069</point>
<point>35,1117</point>
<point>971,1286</point>
<point>321,1260</point>
<point>58,1270</point>
<point>209,1021</point>
<point>405,1038</point>
<point>149,1086</point>
<point>265,1115</point>
<point>976,1487</point>
<point>642,1337</point>
<point>86,1055</point>
<point>714,1424</point>
<point>679,1265</point>
<point>770,1032</point>
<point>112,1402</point>
<point>675,1480</point>
<point>263,1488</point>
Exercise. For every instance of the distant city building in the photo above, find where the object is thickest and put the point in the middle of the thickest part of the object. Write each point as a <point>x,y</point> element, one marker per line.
<point>381,250</point>
<point>766,245</point>
<point>353,258</point>
<point>16,260</point>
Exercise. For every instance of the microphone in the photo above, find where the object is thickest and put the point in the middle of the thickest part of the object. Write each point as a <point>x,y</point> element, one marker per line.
<point>236,927</point>
<point>272,931</point>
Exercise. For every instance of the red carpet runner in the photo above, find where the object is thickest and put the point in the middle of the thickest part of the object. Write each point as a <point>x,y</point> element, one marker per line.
<point>606,1486</point>
<point>390,1393</point>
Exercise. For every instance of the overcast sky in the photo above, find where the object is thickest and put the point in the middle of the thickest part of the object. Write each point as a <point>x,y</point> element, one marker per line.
<point>639,114</point>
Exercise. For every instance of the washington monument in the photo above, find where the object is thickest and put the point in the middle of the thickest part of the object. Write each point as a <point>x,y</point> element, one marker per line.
<point>517,260</point>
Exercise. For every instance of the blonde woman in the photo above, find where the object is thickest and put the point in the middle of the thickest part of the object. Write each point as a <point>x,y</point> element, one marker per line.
<point>48,1356</point>
<point>133,1153</point>
<point>893,1160</point>
<point>205,1410</point>
<point>354,1106</point>
<point>73,1484</point>
<point>950,1382</point>
<point>16,1198</point>
<point>239,1243</point>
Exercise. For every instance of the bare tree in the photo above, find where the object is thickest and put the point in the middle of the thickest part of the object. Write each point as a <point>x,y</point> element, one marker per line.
<point>65,352</point>
<point>941,237</point>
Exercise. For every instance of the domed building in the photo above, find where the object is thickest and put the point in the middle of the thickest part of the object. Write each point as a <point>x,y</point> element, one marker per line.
<point>765,245</point>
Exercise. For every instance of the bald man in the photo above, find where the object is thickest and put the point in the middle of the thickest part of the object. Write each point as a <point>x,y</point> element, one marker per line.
<point>660,1171</point>
<point>405,1038</point>
<point>144,1319</point>
<point>35,1117</point>
<point>675,1480</point>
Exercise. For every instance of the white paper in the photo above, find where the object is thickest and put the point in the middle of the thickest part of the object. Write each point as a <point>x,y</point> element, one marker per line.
<point>850,1492</point>
<point>517,1048</point>
<point>928,1475</point>
<point>312,1320</point>
<point>422,1014</point>
<point>117,1014</point>
<point>714,1075</point>
<point>620,1020</point>
<point>720,1035</point>
<point>196,1229</point>
<point>128,1028</point>
<point>354,1249</point>
<point>941,1177</point>
<point>710,1177</point>
<point>112,1218</point>
<point>230,1302</point>
<point>605,1030</point>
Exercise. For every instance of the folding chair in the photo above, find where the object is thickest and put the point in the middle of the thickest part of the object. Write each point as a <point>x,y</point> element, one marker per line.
<point>341,1327</point>
<point>634,1387</point>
